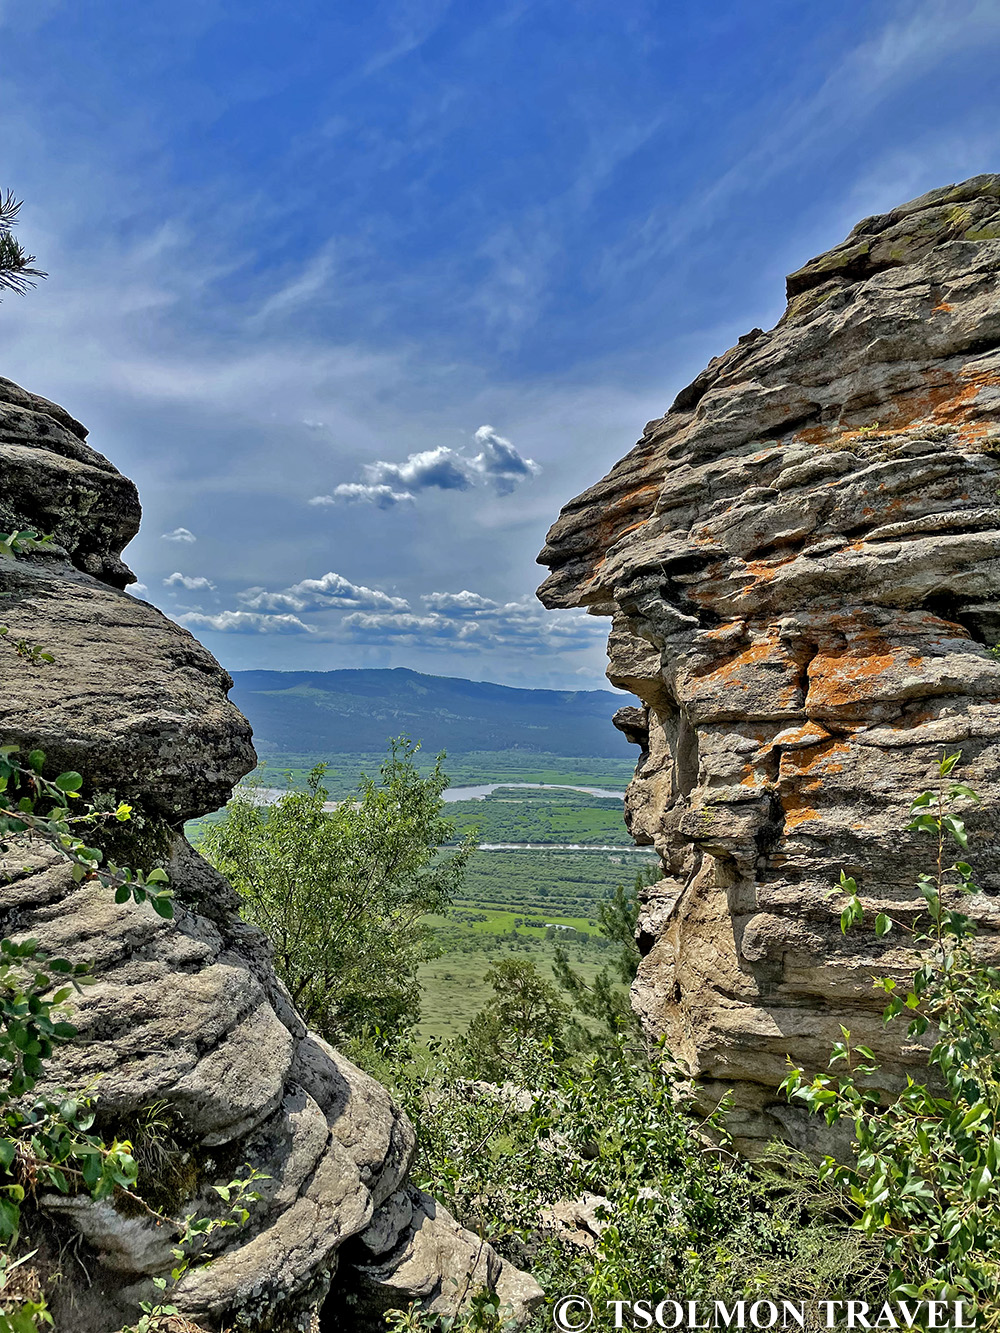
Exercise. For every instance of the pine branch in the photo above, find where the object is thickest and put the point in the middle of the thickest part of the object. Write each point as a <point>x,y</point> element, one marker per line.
<point>9,209</point>
<point>16,272</point>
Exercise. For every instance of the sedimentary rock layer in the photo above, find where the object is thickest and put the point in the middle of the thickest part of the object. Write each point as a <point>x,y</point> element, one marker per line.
<point>186,1024</point>
<point>802,563</point>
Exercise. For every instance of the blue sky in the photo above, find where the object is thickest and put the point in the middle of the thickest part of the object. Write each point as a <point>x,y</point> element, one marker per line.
<point>360,294</point>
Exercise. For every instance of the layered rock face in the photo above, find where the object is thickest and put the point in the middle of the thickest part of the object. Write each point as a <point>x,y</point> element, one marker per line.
<point>187,1024</point>
<point>802,563</point>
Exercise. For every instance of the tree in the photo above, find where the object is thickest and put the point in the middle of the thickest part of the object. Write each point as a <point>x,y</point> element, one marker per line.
<point>341,893</point>
<point>16,273</point>
<point>606,999</point>
<point>524,1013</point>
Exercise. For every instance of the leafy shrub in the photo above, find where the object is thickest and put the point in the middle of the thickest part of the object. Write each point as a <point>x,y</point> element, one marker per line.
<point>677,1211</point>
<point>925,1178</point>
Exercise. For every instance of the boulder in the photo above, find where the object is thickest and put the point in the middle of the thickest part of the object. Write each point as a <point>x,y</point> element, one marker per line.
<point>801,560</point>
<point>414,1250</point>
<point>187,1039</point>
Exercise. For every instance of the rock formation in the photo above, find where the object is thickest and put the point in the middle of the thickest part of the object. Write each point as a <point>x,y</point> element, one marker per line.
<point>802,563</point>
<point>187,1021</point>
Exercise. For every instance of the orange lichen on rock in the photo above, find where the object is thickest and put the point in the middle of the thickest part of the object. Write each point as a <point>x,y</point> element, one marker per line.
<point>762,571</point>
<point>763,650</point>
<point>840,679</point>
<point>797,811</point>
<point>949,399</point>
<point>619,516</point>
<point>796,762</point>
<point>798,737</point>
<point>722,632</point>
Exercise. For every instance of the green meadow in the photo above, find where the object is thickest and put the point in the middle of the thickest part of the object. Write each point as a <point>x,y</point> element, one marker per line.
<point>522,901</point>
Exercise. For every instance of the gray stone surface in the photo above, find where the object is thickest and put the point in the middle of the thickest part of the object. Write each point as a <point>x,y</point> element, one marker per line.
<point>802,563</point>
<point>415,1250</point>
<point>55,483</point>
<point>132,700</point>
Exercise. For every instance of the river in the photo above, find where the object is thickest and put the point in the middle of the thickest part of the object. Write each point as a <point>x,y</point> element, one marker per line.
<point>268,795</point>
<point>477,793</point>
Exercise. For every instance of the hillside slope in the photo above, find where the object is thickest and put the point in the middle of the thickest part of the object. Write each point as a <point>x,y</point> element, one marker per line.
<point>355,711</point>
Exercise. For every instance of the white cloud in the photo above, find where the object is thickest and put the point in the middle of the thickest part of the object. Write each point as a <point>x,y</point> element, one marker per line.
<point>466,621</point>
<point>136,588</point>
<point>355,491</point>
<point>497,465</point>
<point>313,425</point>
<point>244,622</point>
<point>179,535</point>
<point>499,462</point>
<point>458,601</point>
<point>442,468</point>
<point>332,591</point>
<point>190,581</point>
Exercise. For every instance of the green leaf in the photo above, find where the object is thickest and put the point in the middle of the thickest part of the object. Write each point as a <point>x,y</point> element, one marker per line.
<point>69,782</point>
<point>10,1219</point>
<point>956,828</point>
<point>959,789</point>
<point>92,1170</point>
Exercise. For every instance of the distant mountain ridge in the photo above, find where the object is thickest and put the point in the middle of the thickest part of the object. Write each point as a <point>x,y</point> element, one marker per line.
<point>355,711</point>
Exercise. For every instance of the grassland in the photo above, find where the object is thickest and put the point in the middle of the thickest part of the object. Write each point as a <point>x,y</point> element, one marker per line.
<point>453,989</point>
<point>531,883</point>
<point>522,903</point>
<point>512,814</point>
